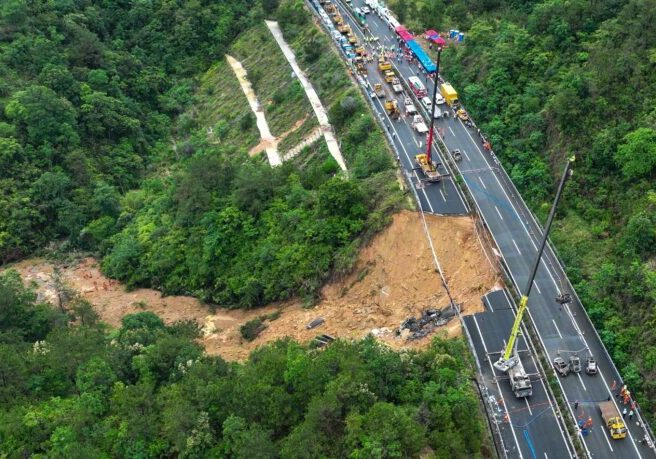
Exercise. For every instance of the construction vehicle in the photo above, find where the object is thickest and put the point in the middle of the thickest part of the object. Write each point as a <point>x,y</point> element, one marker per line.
<point>520,382</point>
<point>410,108</point>
<point>450,95</point>
<point>392,109</point>
<point>378,90</point>
<point>428,167</point>
<point>396,85</point>
<point>613,420</point>
<point>561,367</point>
<point>389,76</point>
<point>384,64</point>
<point>590,365</point>
<point>360,67</point>
<point>510,357</point>
<point>419,125</point>
<point>424,160</point>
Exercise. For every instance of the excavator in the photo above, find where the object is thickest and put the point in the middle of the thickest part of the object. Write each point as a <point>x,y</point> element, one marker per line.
<point>510,362</point>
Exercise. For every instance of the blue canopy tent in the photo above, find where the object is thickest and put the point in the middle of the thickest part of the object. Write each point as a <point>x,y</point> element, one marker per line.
<point>421,56</point>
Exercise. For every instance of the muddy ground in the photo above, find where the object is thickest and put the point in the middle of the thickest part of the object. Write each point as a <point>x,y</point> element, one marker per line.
<point>394,278</point>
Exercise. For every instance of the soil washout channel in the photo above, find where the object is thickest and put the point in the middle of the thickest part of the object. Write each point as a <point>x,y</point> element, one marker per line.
<point>394,279</point>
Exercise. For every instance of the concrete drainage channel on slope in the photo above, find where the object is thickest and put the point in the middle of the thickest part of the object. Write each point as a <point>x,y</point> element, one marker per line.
<point>317,106</point>
<point>270,141</point>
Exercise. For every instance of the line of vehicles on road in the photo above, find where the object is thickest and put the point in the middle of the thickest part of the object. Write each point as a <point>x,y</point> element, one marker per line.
<point>519,380</point>
<point>357,54</point>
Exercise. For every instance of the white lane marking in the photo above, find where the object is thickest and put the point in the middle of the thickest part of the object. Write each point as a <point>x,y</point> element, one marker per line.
<point>416,143</point>
<point>499,182</point>
<point>443,197</point>
<point>505,406</point>
<point>452,133</point>
<point>500,216</point>
<point>582,383</point>
<point>545,456</point>
<point>557,329</point>
<point>482,182</point>
<point>607,440</point>
<point>536,287</point>
<point>520,252</point>
<point>466,155</point>
<point>528,405</point>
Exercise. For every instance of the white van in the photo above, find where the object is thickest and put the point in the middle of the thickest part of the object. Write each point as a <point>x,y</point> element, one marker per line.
<point>426,102</point>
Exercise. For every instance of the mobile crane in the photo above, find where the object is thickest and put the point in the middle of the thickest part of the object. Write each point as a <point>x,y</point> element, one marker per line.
<point>424,160</point>
<point>509,362</point>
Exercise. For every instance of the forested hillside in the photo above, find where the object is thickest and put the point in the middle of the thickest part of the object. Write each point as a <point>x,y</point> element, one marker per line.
<point>88,92</point>
<point>103,149</point>
<point>148,390</point>
<point>545,79</point>
<point>236,232</point>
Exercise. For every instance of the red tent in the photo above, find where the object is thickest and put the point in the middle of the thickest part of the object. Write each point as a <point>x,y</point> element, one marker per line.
<point>403,33</point>
<point>429,34</point>
<point>439,41</point>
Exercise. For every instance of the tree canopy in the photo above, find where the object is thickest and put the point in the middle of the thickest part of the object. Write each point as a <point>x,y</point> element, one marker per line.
<point>148,390</point>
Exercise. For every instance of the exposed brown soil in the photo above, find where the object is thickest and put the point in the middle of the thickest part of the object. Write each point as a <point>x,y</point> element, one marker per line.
<point>394,278</point>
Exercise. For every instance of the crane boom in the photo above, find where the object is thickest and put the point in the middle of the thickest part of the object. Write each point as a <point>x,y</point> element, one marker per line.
<point>509,358</point>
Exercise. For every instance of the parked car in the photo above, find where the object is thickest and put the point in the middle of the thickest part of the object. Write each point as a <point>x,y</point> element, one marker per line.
<point>590,365</point>
<point>439,100</point>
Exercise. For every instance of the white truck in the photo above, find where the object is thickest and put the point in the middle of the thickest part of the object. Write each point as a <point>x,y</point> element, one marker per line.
<point>410,108</point>
<point>520,381</point>
<point>419,125</point>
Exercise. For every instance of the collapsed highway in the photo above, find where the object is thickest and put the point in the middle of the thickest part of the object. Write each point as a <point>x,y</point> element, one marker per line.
<point>533,426</point>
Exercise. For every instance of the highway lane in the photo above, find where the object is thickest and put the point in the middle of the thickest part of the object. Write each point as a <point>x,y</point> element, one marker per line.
<point>511,225</point>
<point>558,329</point>
<point>436,198</point>
<point>529,426</point>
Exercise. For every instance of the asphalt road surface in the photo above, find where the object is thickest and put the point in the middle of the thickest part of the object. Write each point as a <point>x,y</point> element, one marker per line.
<point>529,426</point>
<point>562,330</point>
<point>442,197</point>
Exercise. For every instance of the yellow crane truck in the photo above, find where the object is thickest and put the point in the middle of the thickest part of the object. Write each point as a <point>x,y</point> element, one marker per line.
<point>613,420</point>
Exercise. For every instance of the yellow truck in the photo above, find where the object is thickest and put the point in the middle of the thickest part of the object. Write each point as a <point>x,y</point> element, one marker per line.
<point>613,420</point>
<point>450,95</point>
<point>390,76</point>
<point>384,64</point>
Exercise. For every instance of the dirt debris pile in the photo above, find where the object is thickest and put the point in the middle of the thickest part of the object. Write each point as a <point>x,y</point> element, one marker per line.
<point>394,279</point>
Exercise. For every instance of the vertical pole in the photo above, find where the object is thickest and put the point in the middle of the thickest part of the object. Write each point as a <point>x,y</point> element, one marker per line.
<point>432,110</point>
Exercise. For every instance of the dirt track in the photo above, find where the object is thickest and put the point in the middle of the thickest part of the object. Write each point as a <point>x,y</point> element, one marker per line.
<point>394,278</point>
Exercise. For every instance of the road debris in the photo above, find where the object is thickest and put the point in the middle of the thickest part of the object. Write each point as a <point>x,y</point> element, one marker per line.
<point>429,320</point>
